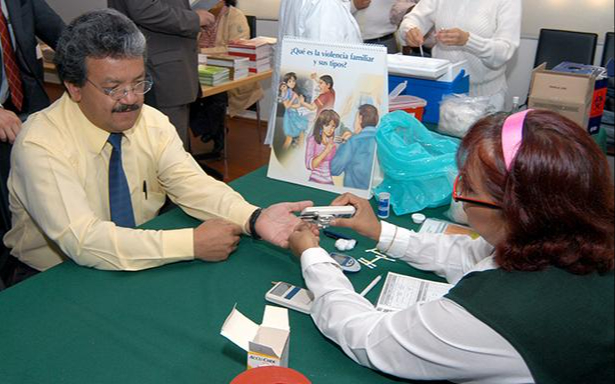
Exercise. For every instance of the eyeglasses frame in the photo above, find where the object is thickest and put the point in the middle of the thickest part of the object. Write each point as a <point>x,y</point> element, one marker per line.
<point>126,90</point>
<point>457,197</point>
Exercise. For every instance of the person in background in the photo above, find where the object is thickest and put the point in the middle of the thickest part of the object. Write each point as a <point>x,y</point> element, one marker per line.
<point>373,17</point>
<point>533,298</point>
<point>171,29</point>
<point>486,33</point>
<point>399,10</point>
<point>354,157</point>
<point>96,164</point>
<point>22,91</point>
<point>230,24</point>
<point>320,20</point>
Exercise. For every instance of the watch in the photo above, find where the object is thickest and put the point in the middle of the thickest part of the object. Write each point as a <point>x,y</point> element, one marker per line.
<point>252,223</point>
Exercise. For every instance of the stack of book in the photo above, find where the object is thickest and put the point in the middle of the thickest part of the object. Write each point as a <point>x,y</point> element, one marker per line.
<point>211,75</point>
<point>259,51</point>
<point>238,66</point>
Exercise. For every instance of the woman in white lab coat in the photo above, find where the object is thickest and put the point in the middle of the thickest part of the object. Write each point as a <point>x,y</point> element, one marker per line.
<point>533,296</point>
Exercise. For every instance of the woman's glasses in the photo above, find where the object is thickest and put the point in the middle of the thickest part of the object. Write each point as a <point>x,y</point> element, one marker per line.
<point>458,196</point>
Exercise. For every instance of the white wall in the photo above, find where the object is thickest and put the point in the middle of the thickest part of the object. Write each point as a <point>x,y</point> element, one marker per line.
<point>588,16</point>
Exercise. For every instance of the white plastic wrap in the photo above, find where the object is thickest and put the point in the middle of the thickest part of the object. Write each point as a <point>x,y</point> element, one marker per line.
<point>459,112</point>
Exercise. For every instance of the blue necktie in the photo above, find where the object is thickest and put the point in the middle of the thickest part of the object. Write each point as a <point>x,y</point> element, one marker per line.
<point>119,193</point>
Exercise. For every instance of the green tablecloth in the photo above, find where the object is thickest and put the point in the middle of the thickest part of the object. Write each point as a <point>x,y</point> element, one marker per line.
<point>78,325</point>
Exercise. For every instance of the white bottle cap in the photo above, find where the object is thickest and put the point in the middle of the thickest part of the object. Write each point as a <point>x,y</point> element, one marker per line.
<point>418,218</point>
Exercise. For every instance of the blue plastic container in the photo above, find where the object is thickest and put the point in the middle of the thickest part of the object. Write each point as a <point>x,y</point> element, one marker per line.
<point>432,91</point>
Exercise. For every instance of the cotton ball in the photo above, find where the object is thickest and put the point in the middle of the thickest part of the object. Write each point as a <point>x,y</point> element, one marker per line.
<point>341,244</point>
<point>351,244</point>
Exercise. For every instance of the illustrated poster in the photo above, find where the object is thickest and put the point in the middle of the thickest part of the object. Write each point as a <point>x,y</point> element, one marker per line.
<point>330,100</point>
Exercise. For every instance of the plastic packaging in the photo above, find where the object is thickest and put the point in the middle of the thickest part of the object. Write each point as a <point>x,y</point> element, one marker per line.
<point>459,112</point>
<point>415,162</point>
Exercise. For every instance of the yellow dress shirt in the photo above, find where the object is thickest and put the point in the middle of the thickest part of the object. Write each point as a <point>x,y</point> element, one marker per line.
<point>59,199</point>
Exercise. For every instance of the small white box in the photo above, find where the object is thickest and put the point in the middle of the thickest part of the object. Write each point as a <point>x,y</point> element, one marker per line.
<point>266,344</point>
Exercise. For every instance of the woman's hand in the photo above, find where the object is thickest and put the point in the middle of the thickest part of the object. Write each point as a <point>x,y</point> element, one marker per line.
<point>415,38</point>
<point>302,239</point>
<point>364,221</point>
<point>453,37</point>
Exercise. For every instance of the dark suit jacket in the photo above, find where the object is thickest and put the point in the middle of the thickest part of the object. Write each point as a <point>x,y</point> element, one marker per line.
<point>171,29</point>
<point>31,19</point>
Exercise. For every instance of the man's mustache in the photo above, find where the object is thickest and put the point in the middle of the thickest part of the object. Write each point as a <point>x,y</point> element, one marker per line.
<point>126,108</point>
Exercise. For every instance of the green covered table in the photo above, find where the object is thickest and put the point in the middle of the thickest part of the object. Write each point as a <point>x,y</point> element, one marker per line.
<point>72,324</point>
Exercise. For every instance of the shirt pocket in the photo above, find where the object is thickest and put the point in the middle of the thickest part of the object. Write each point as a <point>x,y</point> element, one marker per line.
<point>151,204</point>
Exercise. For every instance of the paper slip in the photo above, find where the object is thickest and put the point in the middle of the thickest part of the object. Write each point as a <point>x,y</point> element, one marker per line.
<point>400,292</point>
<point>447,228</point>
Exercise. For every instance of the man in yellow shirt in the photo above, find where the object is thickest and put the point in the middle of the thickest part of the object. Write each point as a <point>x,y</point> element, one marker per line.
<point>98,162</point>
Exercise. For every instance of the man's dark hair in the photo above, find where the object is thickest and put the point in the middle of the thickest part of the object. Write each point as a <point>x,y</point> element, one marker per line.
<point>96,34</point>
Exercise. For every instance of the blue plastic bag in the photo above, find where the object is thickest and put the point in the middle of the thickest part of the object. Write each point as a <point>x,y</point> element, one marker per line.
<point>416,163</point>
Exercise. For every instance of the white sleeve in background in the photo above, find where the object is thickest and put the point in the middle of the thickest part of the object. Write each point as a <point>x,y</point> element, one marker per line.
<point>448,256</point>
<point>422,17</point>
<point>435,340</point>
<point>331,21</point>
<point>496,51</point>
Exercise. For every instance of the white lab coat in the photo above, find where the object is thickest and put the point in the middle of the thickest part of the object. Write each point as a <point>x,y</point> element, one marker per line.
<point>319,20</point>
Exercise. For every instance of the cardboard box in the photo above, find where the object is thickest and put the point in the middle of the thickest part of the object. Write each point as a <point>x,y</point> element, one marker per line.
<point>577,96</point>
<point>267,344</point>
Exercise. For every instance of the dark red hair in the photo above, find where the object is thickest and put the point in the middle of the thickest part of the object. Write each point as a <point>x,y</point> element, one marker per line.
<point>557,198</point>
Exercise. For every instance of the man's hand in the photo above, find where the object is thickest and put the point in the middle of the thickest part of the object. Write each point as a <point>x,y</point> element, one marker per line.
<point>206,19</point>
<point>364,220</point>
<point>277,223</point>
<point>10,125</point>
<point>302,239</point>
<point>454,36</point>
<point>215,240</point>
<point>414,37</point>
<point>361,4</point>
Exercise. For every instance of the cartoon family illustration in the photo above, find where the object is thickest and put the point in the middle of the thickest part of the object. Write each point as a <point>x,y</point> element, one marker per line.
<point>332,149</point>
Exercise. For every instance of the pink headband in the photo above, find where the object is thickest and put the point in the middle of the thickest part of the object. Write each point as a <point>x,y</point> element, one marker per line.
<point>512,135</point>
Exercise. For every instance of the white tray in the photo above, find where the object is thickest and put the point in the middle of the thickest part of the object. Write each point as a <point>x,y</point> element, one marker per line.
<point>424,67</point>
